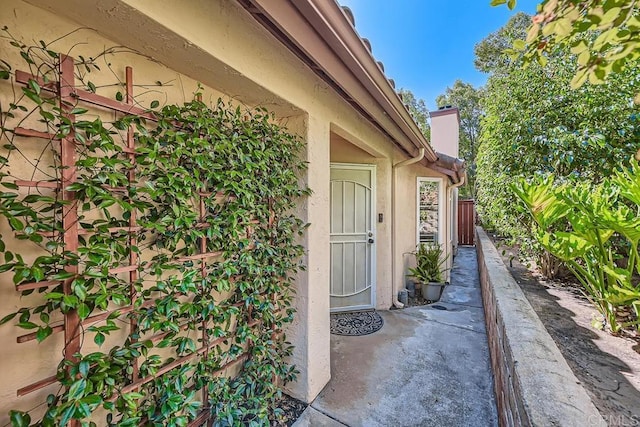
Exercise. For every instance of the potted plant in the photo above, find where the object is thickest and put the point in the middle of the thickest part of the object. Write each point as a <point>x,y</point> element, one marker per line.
<point>428,272</point>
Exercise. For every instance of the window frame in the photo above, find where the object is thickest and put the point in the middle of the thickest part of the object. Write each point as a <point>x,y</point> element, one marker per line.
<point>441,201</point>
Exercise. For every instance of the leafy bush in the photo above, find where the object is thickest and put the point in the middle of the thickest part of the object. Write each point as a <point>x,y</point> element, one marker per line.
<point>536,125</point>
<point>593,217</point>
<point>429,262</point>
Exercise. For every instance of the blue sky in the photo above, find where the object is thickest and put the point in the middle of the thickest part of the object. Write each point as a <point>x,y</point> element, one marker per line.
<point>426,45</point>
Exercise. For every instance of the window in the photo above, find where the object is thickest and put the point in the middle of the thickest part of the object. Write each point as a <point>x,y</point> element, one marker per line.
<point>429,215</point>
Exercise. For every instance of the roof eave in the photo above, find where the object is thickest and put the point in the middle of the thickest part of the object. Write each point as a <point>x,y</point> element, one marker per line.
<point>335,32</point>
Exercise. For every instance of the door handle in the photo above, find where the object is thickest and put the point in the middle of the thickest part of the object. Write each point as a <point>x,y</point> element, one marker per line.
<point>370,240</point>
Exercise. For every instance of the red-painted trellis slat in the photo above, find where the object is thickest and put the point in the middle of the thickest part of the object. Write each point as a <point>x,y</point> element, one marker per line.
<point>133,242</point>
<point>70,209</point>
<point>69,96</point>
<point>466,222</point>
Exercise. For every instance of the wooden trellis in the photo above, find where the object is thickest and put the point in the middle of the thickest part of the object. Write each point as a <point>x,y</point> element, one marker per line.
<point>69,96</point>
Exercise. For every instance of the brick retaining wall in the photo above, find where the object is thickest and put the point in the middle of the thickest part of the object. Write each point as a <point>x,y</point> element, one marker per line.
<point>534,385</point>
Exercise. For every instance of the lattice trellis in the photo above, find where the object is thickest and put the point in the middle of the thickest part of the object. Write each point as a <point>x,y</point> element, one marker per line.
<point>72,234</point>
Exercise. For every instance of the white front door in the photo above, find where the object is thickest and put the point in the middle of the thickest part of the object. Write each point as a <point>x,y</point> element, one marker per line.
<point>352,237</point>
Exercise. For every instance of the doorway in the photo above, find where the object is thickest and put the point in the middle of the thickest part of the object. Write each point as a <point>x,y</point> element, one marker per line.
<point>352,238</point>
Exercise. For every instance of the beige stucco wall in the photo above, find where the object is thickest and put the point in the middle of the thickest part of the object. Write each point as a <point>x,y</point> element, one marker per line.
<point>26,363</point>
<point>406,233</point>
<point>445,139</point>
<point>219,44</point>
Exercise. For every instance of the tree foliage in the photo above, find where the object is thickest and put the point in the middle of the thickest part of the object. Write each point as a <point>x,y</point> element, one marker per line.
<point>583,200</point>
<point>418,110</point>
<point>535,124</point>
<point>468,100</point>
<point>615,25</point>
<point>490,53</point>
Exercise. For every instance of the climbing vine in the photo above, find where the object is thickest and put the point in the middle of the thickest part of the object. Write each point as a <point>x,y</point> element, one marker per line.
<point>181,282</point>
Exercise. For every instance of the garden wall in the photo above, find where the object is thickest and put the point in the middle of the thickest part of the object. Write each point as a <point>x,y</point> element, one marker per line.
<point>534,385</point>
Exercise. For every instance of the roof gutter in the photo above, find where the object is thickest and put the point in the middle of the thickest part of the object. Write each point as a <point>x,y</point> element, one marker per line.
<point>355,72</point>
<point>394,218</point>
<point>453,167</point>
<point>330,20</point>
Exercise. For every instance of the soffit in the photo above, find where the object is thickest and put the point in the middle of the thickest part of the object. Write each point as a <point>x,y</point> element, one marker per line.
<point>320,34</point>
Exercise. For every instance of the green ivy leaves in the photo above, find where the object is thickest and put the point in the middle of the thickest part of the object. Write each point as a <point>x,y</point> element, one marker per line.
<point>217,180</point>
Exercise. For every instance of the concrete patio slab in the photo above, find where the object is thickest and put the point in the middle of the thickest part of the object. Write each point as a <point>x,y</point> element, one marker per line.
<point>464,295</point>
<point>425,367</point>
<point>465,317</point>
<point>313,418</point>
<point>464,271</point>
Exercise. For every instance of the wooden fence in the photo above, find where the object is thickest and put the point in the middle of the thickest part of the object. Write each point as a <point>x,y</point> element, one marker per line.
<point>466,222</point>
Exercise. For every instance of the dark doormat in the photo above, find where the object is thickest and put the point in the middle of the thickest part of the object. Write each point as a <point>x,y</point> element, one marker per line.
<point>356,323</point>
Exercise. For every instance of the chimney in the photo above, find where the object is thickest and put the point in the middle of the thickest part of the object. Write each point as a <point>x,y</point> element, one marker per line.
<point>445,130</point>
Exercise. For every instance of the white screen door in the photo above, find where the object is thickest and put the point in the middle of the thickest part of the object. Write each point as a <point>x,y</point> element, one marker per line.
<point>352,237</point>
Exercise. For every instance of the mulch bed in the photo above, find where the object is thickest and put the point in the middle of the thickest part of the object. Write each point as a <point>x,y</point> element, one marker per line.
<point>418,301</point>
<point>287,411</point>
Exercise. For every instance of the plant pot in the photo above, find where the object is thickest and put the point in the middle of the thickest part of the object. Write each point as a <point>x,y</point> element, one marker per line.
<point>432,291</point>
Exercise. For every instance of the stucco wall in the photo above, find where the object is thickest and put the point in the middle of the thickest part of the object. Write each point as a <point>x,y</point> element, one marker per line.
<point>26,363</point>
<point>406,195</point>
<point>220,45</point>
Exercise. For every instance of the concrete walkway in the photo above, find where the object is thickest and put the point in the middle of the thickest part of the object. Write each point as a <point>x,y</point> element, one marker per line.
<point>428,366</point>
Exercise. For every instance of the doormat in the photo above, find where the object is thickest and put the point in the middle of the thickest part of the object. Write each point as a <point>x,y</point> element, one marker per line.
<point>356,323</point>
